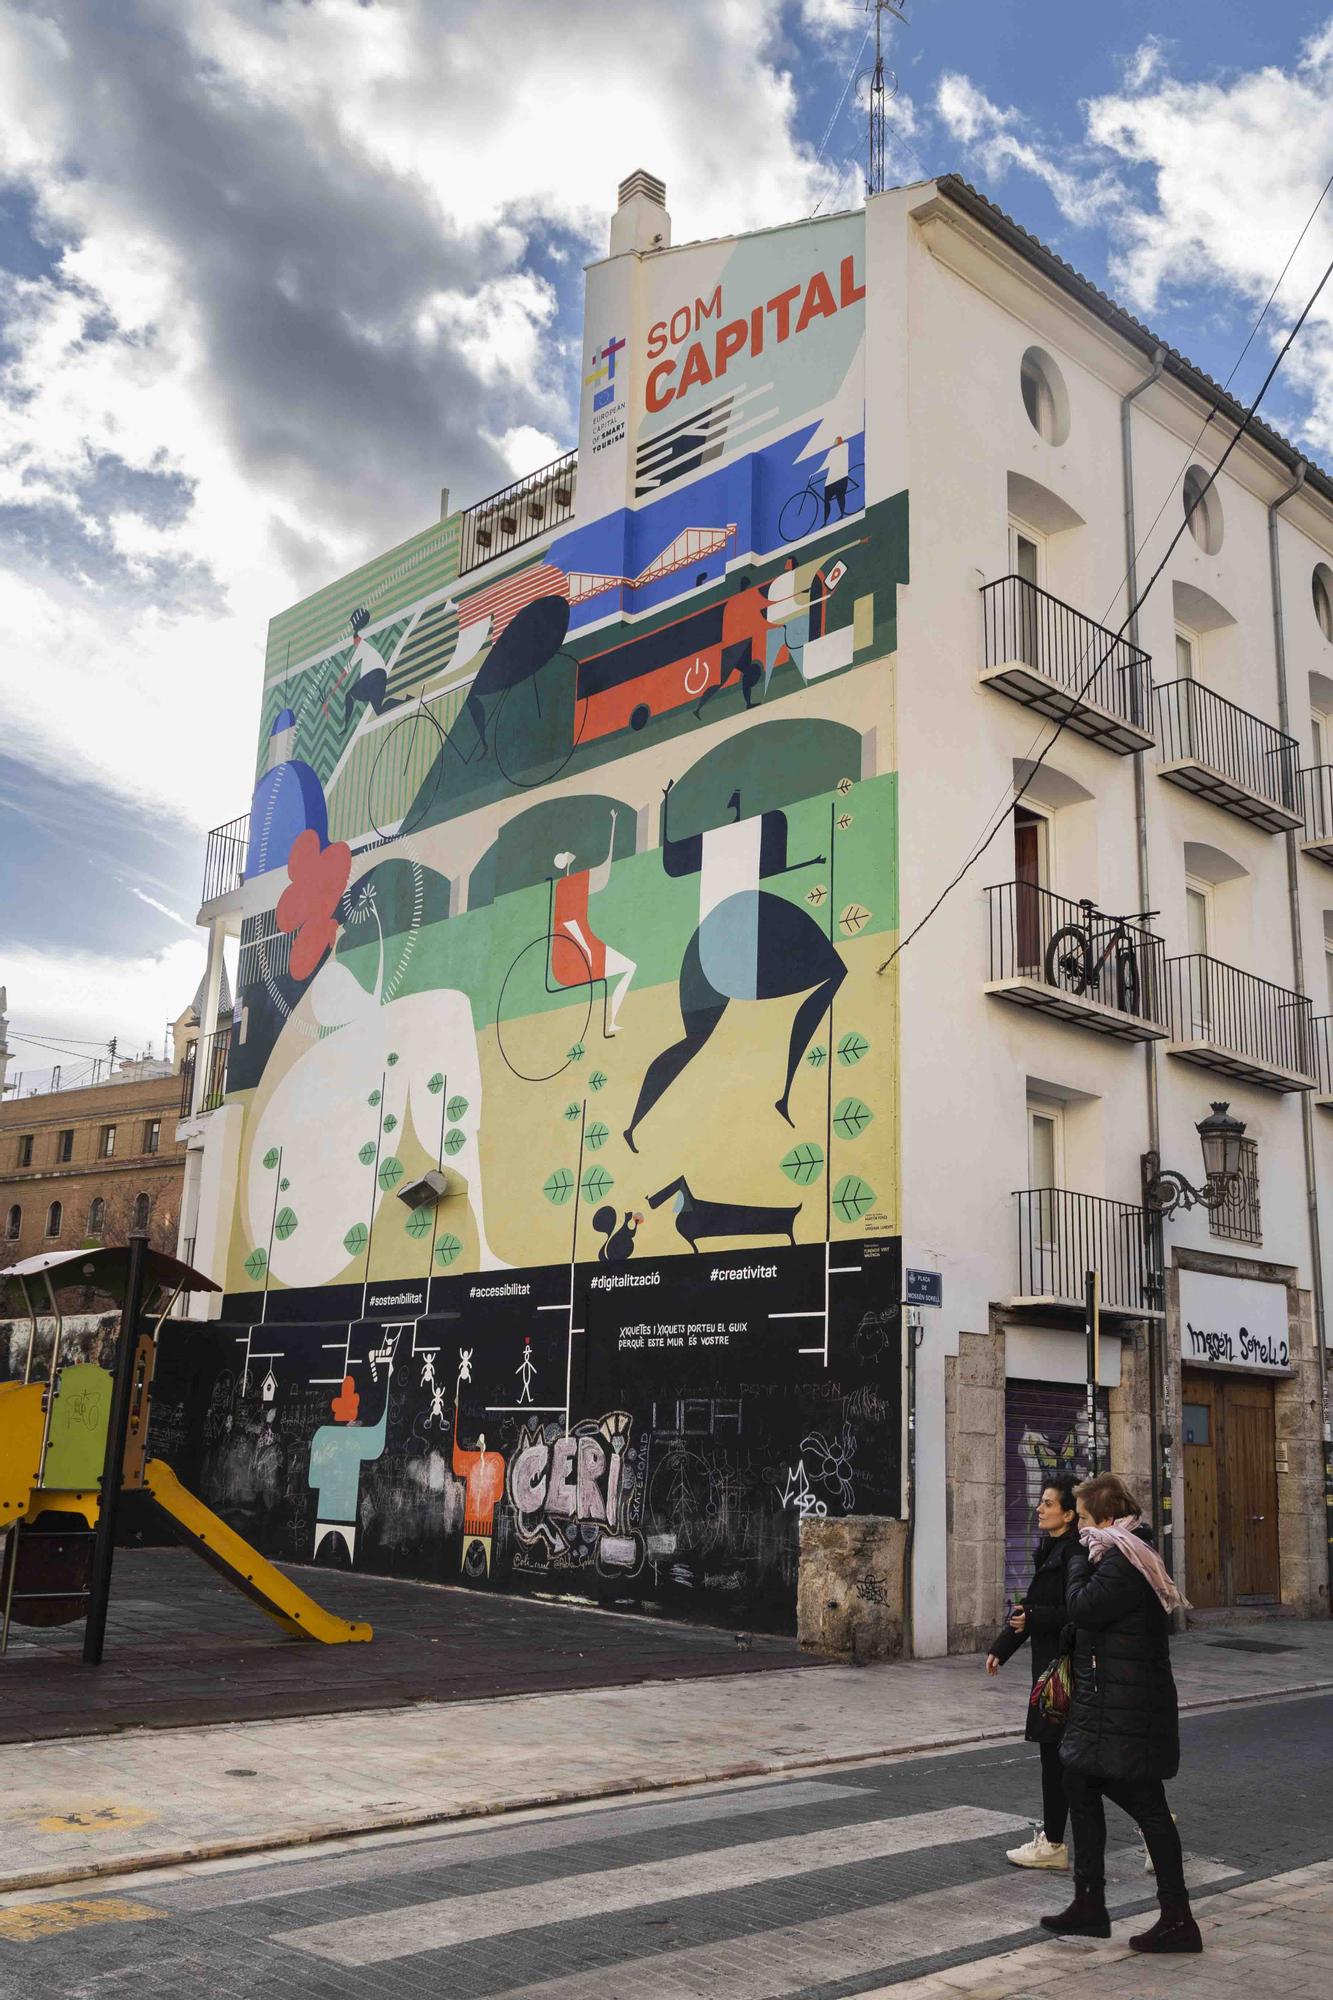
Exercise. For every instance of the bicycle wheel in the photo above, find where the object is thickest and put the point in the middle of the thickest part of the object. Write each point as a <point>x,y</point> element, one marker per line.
<point>1127,979</point>
<point>538,1040</point>
<point>1069,960</point>
<point>800,515</point>
<point>406,775</point>
<point>538,725</point>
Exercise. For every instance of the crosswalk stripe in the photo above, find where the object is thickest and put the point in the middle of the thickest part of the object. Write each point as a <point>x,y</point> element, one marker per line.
<point>373,1938</point>
<point>773,1963</point>
<point>446,1849</point>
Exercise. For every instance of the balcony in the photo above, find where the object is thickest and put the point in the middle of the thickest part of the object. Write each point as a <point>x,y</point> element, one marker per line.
<point>1321,1030</point>
<point>1230,1021</point>
<point>1051,658</point>
<point>518,513</point>
<point>1062,1236</point>
<point>1317,812</point>
<point>1071,962</point>
<point>224,858</point>
<point>211,1052</point>
<point>1226,755</point>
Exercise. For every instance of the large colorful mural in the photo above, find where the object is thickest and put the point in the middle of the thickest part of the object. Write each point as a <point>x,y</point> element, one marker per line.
<point>566,1223</point>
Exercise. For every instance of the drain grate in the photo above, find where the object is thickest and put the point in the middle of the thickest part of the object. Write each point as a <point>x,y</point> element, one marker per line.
<point>1253,1646</point>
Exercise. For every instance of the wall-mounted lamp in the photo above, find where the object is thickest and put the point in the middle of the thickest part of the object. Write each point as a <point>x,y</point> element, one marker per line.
<point>425,1192</point>
<point>1220,1135</point>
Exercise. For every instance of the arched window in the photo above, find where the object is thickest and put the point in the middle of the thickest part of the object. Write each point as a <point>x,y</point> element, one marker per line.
<point>1203,510</point>
<point>96,1216</point>
<point>1044,395</point>
<point>141,1208</point>
<point>54,1217</point>
<point>14,1222</point>
<point>1321,590</point>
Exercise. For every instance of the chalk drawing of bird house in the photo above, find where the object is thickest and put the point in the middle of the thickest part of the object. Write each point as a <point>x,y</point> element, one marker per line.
<point>268,1388</point>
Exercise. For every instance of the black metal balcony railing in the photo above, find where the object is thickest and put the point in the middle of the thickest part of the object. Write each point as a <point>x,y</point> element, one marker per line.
<point>211,1051</point>
<point>1087,662</point>
<point>1236,1012</point>
<point>1062,1236</point>
<point>518,513</point>
<point>1195,723</point>
<point>1317,804</point>
<point>1076,950</point>
<point>224,857</point>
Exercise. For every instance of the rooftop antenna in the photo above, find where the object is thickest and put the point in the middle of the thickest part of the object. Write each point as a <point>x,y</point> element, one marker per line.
<point>883,86</point>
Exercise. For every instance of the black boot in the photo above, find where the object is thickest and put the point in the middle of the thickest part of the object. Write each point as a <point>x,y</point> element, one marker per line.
<point>1175,1929</point>
<point>1087,1914</point>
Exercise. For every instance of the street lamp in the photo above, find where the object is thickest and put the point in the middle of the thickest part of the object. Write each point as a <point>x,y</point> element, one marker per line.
<point>1220,1136</point>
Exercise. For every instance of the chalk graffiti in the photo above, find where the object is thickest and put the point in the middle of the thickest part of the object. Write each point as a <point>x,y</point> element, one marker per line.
<point>568,1489</point>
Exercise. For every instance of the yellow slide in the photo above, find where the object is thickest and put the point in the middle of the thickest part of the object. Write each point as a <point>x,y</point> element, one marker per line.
<point>225,1551</point>
<point>20,1446</point>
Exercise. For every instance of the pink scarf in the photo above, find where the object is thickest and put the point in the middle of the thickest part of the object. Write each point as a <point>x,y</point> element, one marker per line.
<point>1120,1535</point>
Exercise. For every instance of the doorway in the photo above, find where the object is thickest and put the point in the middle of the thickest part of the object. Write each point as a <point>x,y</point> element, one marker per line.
<point>1231,1541</point>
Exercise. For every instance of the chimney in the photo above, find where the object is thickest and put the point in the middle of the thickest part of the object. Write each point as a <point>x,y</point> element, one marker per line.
<point>641,222</point>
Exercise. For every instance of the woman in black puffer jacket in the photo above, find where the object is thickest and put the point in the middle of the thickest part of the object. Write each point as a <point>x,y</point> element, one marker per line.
<point>1040,1619</point>
<point>1122,1737</point>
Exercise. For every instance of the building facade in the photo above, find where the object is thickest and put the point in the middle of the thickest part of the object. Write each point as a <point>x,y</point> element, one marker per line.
<point>588,1092</point>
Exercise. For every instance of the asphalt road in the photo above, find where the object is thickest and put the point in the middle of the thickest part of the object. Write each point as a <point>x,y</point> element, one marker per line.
<point>815,1887</point>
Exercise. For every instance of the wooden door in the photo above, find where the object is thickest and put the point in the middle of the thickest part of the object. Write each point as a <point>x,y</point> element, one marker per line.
<point>1249,1493</point>
<point>1199,1423</point>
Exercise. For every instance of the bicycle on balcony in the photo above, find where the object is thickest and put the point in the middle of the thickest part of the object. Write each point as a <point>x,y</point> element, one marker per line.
<point>1078,953</point>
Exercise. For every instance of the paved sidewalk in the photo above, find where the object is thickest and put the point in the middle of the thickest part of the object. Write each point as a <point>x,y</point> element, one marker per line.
<point>86,1806</point>
<point>1268,1940</point>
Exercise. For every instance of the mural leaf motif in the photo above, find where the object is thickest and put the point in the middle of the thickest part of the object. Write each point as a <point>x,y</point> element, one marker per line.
<point>455,1108</point>
<point>448,1250</point>
<point>597,1079</point>
<point>852,1197</point>
<point>390,1122</point>
<point>804,1163</point>
<point>844,786</point>
<point>596,1182</point>
<point>256,1263</point>
<point>852,1047</point>
<point>366,1153</point>
<point>284,1184</point>
<point>454,1140</point>
<point>391,1172</point>
<point>285,1225</point>
<point>576,1053</point>
<point>436,1084</point>
<point>817,1056</point>
<point>853,919</point>
<point>851,1117</point>
<point>271,1158</point>
<point>418,1223</point>
<point>559,1186</point>
<point>817,894</point>
<point>391,1059</point>
<point>373,1098</point>
<point>572,1111</point>
<point>356,1239</point>
<point>596,1135</point>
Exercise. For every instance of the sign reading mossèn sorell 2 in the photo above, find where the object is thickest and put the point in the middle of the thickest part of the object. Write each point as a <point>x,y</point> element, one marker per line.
<point>1234,1323</point>
<point>706,359</point>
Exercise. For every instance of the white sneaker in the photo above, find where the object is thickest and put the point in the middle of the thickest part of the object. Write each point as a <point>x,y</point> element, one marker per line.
<point>1039,1852</point>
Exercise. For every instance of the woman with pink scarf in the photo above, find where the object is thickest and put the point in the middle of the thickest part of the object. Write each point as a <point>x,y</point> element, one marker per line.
<point>1122,1737</point>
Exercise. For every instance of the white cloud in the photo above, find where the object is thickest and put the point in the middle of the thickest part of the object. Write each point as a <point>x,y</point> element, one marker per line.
<point>996,138</point>
<point>293,297</point>
<point>85,996</point>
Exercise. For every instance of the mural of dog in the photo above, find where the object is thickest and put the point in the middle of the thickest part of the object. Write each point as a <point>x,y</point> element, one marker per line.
<point>696,1219</point>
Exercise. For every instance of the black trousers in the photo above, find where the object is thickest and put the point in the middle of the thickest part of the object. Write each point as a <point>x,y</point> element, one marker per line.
<point>1054,1802</point>
<point>1145,1802</point>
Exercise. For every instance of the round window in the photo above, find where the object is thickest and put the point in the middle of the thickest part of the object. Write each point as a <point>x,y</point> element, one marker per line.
<point>1044,395</point>
<point>1203,510</point>
<point>1321,590</point>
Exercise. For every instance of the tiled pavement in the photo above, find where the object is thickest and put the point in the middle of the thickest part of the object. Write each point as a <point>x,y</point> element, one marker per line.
<point>805,1889</point>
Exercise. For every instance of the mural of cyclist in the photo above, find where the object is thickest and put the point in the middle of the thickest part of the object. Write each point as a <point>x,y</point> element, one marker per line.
<point>837,471</point>
<point>372,682</point>
<point>578,955</point>
<point>750,944</point>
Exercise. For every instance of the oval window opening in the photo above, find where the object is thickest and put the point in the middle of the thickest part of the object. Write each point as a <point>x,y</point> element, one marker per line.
<point>1203,510</point>
<point>1044,395</point>
<point>1321,591</point>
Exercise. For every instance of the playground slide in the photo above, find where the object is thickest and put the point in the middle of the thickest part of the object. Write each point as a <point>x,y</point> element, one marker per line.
<point>225,1551</point>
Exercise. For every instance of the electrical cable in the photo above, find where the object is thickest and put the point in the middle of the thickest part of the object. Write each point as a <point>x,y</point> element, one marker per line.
<point>1116,637</point>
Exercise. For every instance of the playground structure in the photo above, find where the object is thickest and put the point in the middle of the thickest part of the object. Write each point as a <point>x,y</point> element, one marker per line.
<point>74,1442</point>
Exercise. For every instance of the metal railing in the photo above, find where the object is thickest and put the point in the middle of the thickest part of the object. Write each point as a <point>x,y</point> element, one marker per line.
<point>1321,1036</point>
<point>1235,1010</point>
<point>1062,1236</point>
<point>1092,663</point>
<point>1317,802</point>
<point>1194,722</point>
<point>518,513</point>
<point>214,1059</point>
<point>224,857</point>
<point>1076,950</point>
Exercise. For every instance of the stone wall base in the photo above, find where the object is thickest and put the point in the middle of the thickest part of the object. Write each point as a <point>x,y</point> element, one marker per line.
<point>849,1594</point>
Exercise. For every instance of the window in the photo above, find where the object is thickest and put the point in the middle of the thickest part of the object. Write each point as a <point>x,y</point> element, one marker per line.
<point>1025,553</point>
<point>25,1149</point>
<point>96,1216</point>
<point>54,1217</point>
<point>14,1222</point>
<point>1045,1170</point>
<point>1198,916</point>
<point>1328,973</point>
<point>1045,399</point>
<point>1194,1422</point>
<point>1319,738</point>
<point>1187,654</point>
<point>1032,873</point>
<point>65,1147</point>
<point>1198,937</point>
<point>1321,591</point>
<point>141,1208</point>
<point>106,1145</point>
<point>152,1135</point>
<point>1203,510</point>
<point>1238,1217</point>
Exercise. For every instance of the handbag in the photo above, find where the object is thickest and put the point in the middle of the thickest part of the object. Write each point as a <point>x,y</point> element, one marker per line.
<point>1052,1692</point>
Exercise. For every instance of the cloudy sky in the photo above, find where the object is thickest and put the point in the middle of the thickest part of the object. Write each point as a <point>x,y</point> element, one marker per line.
<point>272,272</point>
